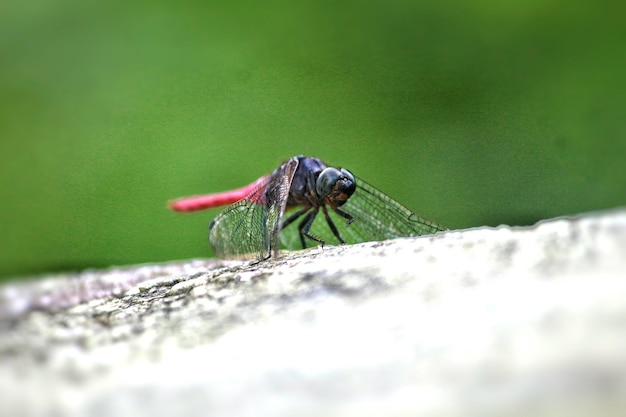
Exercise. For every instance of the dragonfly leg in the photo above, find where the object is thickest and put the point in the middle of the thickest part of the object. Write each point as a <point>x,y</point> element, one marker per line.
<point>294,217</point>
<point>332,226</point>
<point>344,215</point>
<point>305,226</point>
<point>262,258</point>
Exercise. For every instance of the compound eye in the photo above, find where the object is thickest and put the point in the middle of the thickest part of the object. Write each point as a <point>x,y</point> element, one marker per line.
<point>326,181</point>
<point>348,177</point>
<point>335,185</point>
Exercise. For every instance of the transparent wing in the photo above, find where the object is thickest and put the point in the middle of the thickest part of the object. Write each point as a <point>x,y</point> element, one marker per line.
<point>240,231</point>
<point>376,217</point>
<point>277,195</point>
<point>250,228</point>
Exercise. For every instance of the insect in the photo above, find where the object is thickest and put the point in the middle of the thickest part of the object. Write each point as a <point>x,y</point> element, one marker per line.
<point>329,206</point>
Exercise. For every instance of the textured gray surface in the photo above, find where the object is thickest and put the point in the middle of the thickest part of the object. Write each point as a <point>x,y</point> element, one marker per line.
<point>504,321</point>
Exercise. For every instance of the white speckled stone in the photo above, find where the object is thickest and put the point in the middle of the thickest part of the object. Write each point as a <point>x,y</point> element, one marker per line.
<point>512,321</point>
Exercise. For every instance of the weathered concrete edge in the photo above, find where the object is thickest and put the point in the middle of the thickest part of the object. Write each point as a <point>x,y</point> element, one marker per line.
<point>581,259</point>
<point>62,290</point>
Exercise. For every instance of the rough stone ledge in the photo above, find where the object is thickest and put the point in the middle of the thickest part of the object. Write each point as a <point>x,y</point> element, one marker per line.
<point>487,321</point>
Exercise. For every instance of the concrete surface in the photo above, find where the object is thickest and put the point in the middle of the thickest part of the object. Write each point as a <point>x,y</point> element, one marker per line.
<point>488,321</point>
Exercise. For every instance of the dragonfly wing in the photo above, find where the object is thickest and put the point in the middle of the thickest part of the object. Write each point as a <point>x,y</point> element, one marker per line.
<point>250,228</point>
<point>379,217</point>
<point>240,232</point>
<point>376,217</point>
<point>277,196</point>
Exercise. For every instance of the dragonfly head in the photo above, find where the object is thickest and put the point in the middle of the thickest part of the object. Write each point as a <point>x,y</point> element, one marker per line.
<point>335,186</point>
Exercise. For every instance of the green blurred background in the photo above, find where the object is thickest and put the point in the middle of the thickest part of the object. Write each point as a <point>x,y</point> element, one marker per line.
<point>470,113</point>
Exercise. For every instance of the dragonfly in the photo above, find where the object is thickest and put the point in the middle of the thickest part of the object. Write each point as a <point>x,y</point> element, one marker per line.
<point>303,203</point>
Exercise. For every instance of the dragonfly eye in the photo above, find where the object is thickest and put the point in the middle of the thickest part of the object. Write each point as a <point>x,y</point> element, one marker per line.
<point>335,184</point>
